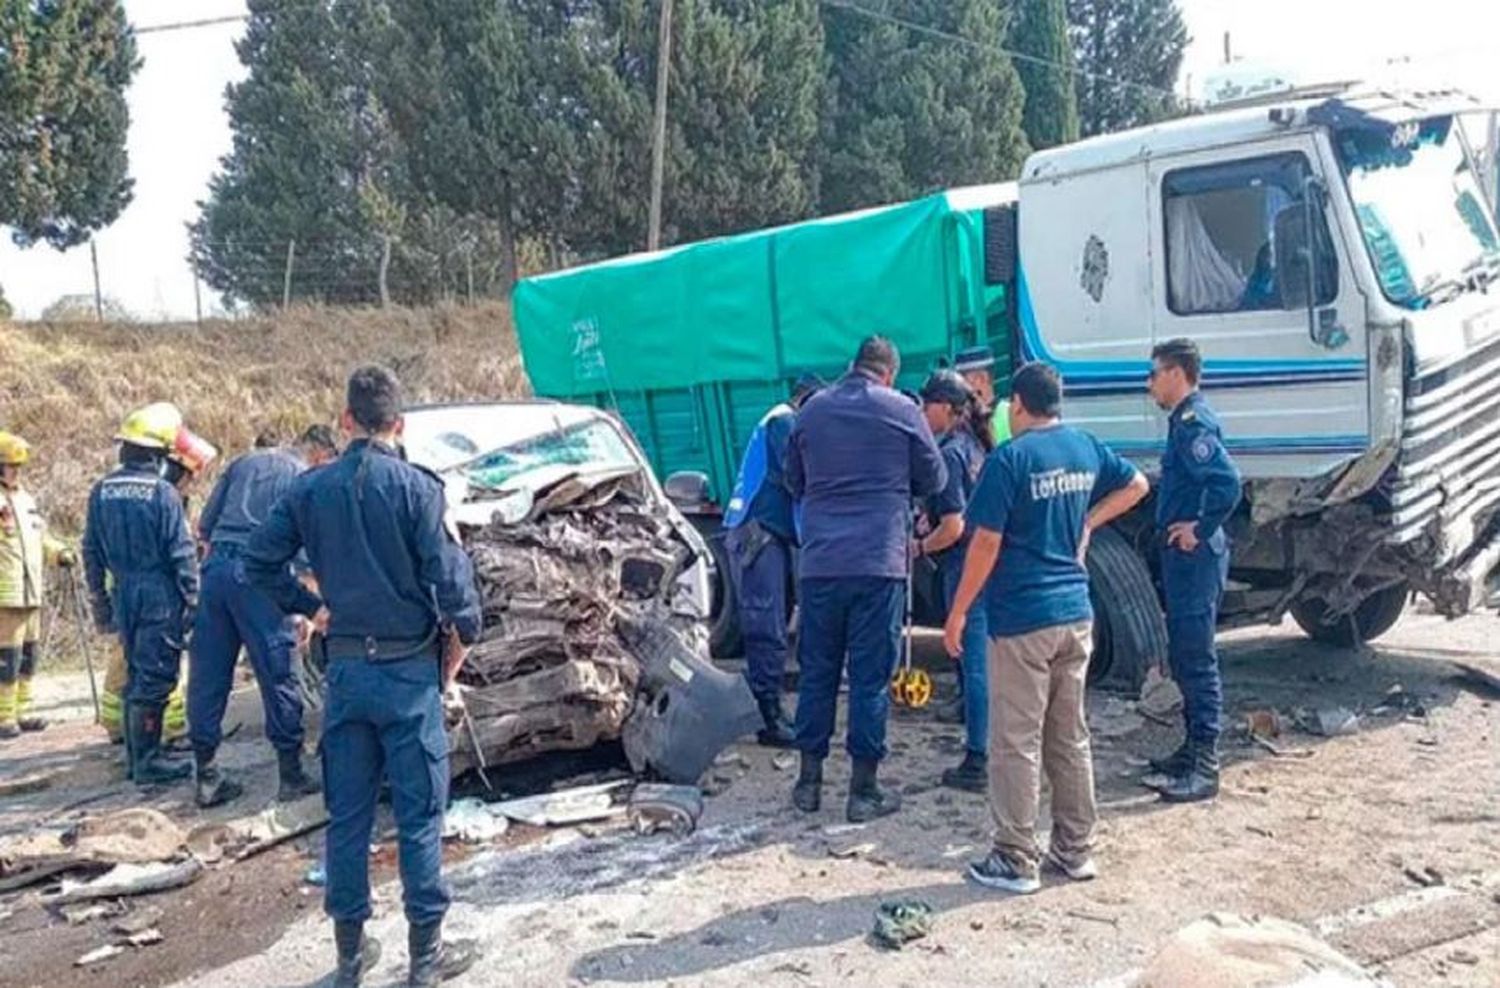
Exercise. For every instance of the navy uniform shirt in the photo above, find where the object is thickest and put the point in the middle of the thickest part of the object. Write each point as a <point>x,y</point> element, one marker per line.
<point>859,453</point>
<point>1036,492</point>
<point>245,493</point>
<point>1199,482</point>
<point>963,458</point>
<point>372,526</point>
<point>136,529</point>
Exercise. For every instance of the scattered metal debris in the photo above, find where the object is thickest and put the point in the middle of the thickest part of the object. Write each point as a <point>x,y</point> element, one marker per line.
<point>145,938</point>
<point>675,809</point>
<point>849,851</point>
<point>899,923</point>
<point>1427,877</point>
<point>137,921</point>
<point>1093,917</point>
<point>99,955</point>
<point>1473,675</point>
<point>1280,751</point>
<point>784,761</point>
<point>1115,718</point>
<point>138,835</point>
<point>79,913</point>
<point>568,806</point>
<point>474,821</point>
<point>276,824</point>
<point>1329,722</point>
<point>128,879</point>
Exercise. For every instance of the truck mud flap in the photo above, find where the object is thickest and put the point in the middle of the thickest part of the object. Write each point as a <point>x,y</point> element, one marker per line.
<point>687,710</point>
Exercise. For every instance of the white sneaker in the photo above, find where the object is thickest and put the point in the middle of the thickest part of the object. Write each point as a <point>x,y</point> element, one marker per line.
<point>1080,871</point>
<point>995,872</point>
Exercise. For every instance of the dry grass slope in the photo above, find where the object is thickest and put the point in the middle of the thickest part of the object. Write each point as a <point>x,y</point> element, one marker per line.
<point>66,387</point>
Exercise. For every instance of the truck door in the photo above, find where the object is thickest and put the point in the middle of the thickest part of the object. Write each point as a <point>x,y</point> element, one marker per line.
<point>1231,272</point>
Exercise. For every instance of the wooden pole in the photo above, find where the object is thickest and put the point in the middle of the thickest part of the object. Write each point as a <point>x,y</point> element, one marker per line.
<point>197,296</point>
<point>98,294</point>
<point>385,267</point>
<point>659,129</point>
<point>469,271</point>
<point>286,282</point>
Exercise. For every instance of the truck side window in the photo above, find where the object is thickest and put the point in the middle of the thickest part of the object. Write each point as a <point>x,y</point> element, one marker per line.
<point>1221,223</point>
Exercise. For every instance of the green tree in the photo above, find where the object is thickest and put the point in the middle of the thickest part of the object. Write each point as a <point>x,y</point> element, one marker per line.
<point>744,97</point>
<point>314,162</point>
<point>64,67</point>
<point>909,113</point>
<point>1129,53</point>
<point>1039,28</point>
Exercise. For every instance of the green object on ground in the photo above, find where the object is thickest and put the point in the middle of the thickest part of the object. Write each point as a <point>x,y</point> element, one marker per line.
<point>898,923</point>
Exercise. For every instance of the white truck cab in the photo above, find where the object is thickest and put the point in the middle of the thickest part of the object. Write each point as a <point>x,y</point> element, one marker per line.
<point>1333,253</point>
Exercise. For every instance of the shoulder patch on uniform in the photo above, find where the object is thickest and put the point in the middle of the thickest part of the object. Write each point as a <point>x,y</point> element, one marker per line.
<point>1189,416</point>
<point>1203,449</point>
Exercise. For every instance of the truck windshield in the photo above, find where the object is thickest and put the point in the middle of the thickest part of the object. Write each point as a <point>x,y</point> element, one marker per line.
<point>596,445</point>
<point>1424,219</point>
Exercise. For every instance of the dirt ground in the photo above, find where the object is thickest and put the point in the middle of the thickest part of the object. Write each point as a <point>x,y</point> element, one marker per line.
<point>1385,842</point>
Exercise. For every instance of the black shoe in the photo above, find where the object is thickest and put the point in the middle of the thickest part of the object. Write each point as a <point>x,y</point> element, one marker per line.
<point>358,954</point>
<point>295,783</point>
<point>211,786</point>
<point>148,766</point>
<point>434,961</point>
<point>807,794</point>
<point>9,732</point>
<point>971,775</point>
<point>1200,782</point>
<point>1176,764</point>
<point>778,731</point>
<point>867,801</point>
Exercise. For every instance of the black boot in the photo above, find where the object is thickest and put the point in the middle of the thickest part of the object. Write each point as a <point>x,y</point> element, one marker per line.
<point>295,783</point>
<point>971,775</point>
<point>1201,781</point>
<point>434,961</point>
<point>148,767</point>
<point>867,801</point>
<point>807,794</point>
<point>778,731</point>
<point>1176,764</point>
<point>357,954</point>
<point>211,786</point>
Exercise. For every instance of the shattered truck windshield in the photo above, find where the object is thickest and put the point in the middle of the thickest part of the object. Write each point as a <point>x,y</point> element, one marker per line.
<point>1425,221</point>
<point>596,445</point>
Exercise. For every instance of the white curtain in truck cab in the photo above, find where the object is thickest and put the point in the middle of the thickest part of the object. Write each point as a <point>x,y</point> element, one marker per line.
<point>1199,278</point>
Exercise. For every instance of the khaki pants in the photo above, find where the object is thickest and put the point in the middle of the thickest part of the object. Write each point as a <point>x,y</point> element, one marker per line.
<point>1038,721</point>
<point>19,625</point>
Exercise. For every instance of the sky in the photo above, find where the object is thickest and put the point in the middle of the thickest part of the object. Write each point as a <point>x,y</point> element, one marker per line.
<point>179,129</point>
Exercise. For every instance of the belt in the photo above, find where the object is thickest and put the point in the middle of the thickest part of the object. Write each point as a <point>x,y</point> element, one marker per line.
<point>373,649</point>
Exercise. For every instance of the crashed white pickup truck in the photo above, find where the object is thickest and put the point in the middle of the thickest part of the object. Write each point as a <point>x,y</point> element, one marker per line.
<point>595,590</point>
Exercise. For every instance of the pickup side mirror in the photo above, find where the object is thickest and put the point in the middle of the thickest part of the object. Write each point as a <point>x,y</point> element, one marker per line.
<point>1000,247</point>
<point>688,489</point>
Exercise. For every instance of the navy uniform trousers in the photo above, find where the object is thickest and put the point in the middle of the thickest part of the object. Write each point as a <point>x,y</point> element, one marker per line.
<point>1194,583</point>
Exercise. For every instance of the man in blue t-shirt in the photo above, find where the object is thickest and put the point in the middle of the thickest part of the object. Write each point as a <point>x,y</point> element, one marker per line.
<point>1039,498</point>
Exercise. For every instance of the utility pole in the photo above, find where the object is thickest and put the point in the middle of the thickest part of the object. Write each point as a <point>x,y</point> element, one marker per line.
<point>469,270</point>
<point>197,295</point>
<point>385,267</point>
<point>98,295</point>
<point>659,128</point>
<point>1228,51</point>
<point>286,282</point>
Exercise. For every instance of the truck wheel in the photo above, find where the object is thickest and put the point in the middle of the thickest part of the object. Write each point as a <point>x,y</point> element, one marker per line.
<point>1375,615</point>
<point>1130,633</point>
<point>724,640</point>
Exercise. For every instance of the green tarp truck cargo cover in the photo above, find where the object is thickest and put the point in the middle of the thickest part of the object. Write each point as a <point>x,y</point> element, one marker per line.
<point>693,344</point>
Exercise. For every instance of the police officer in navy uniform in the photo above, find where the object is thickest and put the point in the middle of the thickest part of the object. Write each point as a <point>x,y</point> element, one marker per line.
<point>233,614</point>
<point>860,453</point>
<point>1199,488</point>
<point>760,541</point>
<point>397,607</point>
<point>962,424</point>
<point>142,573</point>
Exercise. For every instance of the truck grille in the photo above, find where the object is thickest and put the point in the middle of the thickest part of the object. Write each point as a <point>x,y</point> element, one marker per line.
<point>1448,469</point>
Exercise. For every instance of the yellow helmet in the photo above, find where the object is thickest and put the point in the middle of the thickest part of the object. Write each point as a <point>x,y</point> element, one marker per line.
<point>14,451</point>
<point>154,426</point>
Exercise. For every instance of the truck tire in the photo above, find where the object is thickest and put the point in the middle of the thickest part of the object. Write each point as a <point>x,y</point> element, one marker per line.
<point>724,638</point>
<point>1130,633</point>
<point>1375,615</point>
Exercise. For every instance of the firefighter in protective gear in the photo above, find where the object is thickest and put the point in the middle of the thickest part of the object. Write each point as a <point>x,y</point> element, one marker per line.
<point>143,579</point>
<point>25,548</point>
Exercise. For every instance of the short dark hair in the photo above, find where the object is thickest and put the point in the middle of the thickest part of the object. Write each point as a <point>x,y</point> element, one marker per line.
<point>878,355</point>
<point>1181,353</point>
<point>374,398</point>
<point>265,439</point>
<point>319,437</point>
<point>1039,388</point>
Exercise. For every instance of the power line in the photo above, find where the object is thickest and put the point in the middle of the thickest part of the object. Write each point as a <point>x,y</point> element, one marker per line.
<point>913,26</point>
<point>189,25</point>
